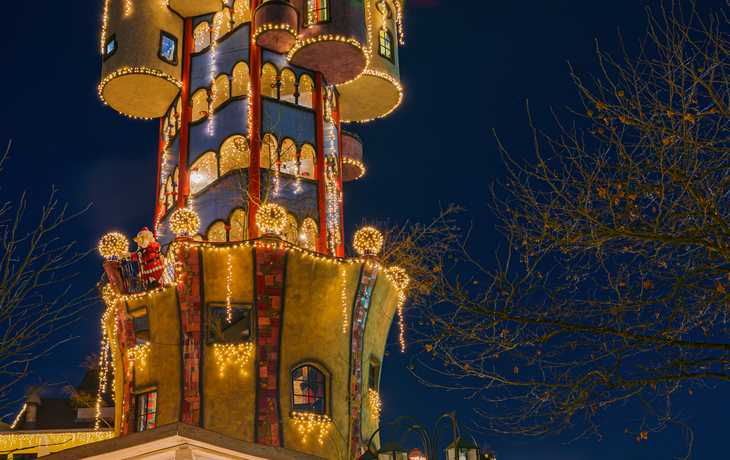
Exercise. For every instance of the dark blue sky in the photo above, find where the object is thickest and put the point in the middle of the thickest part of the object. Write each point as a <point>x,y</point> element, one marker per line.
<point>467,67</point>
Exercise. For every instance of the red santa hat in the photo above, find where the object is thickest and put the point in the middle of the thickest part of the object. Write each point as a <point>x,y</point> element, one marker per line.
<point>145,232</point>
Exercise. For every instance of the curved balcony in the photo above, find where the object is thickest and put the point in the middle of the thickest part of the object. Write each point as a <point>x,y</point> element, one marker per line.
<point>278,26</point>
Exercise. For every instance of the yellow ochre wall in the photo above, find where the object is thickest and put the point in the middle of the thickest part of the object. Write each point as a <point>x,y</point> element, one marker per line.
<point>312,331</point>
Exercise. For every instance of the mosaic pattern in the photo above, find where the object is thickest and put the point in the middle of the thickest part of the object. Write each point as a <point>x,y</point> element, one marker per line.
<point>359,320</point>
<point>269,290</point>
<point>127,339</point>
<point>188,288</point>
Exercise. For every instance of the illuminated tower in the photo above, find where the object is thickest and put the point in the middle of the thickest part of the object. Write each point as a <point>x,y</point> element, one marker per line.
<point>261,330</point>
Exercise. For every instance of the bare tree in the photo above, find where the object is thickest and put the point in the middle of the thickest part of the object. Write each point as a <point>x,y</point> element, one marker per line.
<point>36,268</point>
<point>614,286</point>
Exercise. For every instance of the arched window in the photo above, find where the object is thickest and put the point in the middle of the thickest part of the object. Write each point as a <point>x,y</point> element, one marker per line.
<point>204,172</point>
<point>202,36</point>
<point>178,111</point>
<point>287,85</point>
<point>288,156</point>
<point>386,44</point>
<point>308,159</point>
<point>308,237</point>
<point>309,390</point>
<point>200,104</point>
<point>220,90</point>
<point>290,230</point>
<point>171,124</point>
<point>175,180</point>
<point>242,12</point>
<point>306,87</point>
<point>268,151</point>
<point>268,80</point>
<point>161,199</point>
<point>222,24</point>
<point>234,154</point>
<point>239,226</point>
<point>240,79</point>
<point>217,232</point>
<point>169,197</point>
<point>316,11</point>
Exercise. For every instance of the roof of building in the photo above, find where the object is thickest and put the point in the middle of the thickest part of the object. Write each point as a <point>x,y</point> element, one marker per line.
<point>162,442</point>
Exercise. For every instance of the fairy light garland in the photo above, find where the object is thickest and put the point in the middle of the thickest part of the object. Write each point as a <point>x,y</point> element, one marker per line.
<point>271,218</point>
<point>104,371</point>
<point>355,163</point>
<point>344,301</point>
<point>214,30</point>
<point>308,423</point>
<point>127,7</point>
<point>368,240</point>
<point>59,440</point>
<point>333,199</point>
<point>328,38</point>
<point>103,25</point>
<point>137,356</point>
<point>400,280</point>
<point>232,354</point>
<point>268,27</point>
<point>229,310</point>
<point>184,222</point>
<point>20,414</point>
<point>113,246</point>
<point>399,20</point>
<point>139,71</point>
<point>375,404</point>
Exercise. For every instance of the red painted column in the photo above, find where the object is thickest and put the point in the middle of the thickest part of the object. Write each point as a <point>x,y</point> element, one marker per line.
<point>183,186</point>
<point>336,119</point>
<point>320,169</point>
<point>254,180</point>
<point>159,210</point>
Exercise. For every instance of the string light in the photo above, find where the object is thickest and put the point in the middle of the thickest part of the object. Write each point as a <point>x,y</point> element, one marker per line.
<point>399,20</point>
<point>344,300</point>
<point>127,7</point>
<point>229,312</point>
<point>368,240</point>
<point>135,70</point>
<point>104,370</point>
<point>333,200</point>
<point>355,163</point>
<point>267,27</point>
<point>375,404</point>
<point>103,26</point>
<point>328,38</point>
<point>113,245</point>
<point>271,218</point>
<point>214,29</point>
<point>137,356</point>
<point>184,222</point>
<point>58,440</point>
<point>20,414</point>
<point>307,423</point>
<point>232,354</point>
<point>400,280</point>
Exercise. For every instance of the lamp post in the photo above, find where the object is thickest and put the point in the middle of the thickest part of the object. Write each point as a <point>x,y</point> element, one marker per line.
<point>461,449</point>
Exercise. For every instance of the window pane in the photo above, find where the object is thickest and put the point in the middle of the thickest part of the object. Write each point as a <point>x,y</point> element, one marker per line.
<point>237,330</point>
<point>110,46</point>
<point>168,48</point>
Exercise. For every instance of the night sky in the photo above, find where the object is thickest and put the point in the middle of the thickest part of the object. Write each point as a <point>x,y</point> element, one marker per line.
<point>468,67</point>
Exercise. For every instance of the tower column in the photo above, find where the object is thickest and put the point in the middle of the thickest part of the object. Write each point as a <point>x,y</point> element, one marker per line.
<point>254,107</point>
<point>320,169</point>
<point>183,186</point>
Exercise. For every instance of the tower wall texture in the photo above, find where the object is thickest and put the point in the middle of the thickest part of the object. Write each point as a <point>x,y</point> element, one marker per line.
<point>333,314</point>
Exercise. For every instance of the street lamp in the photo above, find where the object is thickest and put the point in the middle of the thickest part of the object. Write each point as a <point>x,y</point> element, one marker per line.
<point>465,450</point>
<point>461,449</point>
<point>392,451</point>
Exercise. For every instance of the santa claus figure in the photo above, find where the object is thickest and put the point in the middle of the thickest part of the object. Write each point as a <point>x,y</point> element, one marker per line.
<point>151,265</point>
